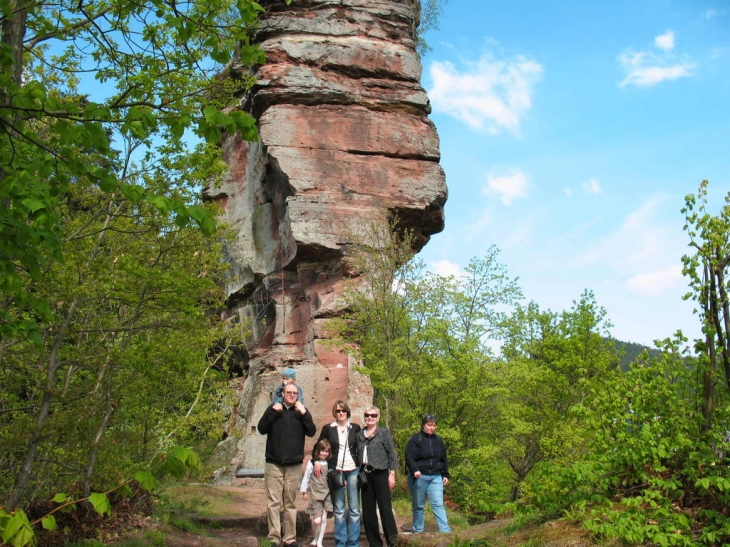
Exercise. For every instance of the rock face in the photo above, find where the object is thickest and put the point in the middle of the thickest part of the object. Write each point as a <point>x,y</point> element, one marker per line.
<point>345,142</point>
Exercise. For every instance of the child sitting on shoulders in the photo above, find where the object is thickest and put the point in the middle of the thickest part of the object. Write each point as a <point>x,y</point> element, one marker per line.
<point>317,491</point>
<point>288,376</point>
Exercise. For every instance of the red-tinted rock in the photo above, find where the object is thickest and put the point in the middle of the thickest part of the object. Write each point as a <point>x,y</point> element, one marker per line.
<point>345,141</point>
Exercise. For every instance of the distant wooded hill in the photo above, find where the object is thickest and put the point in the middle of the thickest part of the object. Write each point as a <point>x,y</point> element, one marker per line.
<point>632,351</point>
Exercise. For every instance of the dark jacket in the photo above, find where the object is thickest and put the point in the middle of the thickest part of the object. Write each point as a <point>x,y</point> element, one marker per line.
<point>329,432</point>
<point>381,450</point>
<point>285,430</point>
<point>427,454</point>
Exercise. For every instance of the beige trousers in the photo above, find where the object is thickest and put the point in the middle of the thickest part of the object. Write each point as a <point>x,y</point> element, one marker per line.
<point>282,486</point>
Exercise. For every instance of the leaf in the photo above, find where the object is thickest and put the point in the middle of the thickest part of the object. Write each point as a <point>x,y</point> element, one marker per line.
<point>208,226</point>
<point>60,498</point>
<point>181,219</point>
<point>49,523</point>
<point>100,501</point>
<point>133,192</point>
<point>17,531</point>
<point>189,457</point>
<point>146,480</point>
<point>210,112</point>
<point>175,467</point>
<point>161,202</point>
<point>212,134</point>
<point>196,212</point>
<point>34,204</point>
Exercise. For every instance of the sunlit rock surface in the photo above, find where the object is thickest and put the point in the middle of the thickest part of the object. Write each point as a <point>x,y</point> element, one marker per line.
<point>345,141</point>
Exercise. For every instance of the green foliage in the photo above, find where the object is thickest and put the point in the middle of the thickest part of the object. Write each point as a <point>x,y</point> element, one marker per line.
<point>631,351</point>
<point>107,273</point>
<point>552,362</point>
<point>457,542</point>
<point>707,271</point>
<point>649,474</point>
<point>121,363</point>
<point>154,67</point>
<point>653,466</point>
<point>17,530</point>
<point>184,524</point>
<point>265,542</point>
<point>427,344</point>
<point>430,12</point>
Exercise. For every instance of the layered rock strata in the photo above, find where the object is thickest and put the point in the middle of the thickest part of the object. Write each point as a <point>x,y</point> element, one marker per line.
<point>345,142</point>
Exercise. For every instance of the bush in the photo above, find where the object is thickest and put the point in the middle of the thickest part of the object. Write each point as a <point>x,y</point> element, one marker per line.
<point>650,474</point>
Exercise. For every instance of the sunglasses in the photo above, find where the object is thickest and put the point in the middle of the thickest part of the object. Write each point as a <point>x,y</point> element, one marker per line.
<point>371,415</point>
<point>340,411</point>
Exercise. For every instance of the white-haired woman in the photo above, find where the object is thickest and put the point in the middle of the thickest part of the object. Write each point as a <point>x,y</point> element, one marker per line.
<point>378,461</point>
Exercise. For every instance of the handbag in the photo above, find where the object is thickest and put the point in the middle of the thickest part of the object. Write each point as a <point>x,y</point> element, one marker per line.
<point>336,477</point>
<point>362,478</point>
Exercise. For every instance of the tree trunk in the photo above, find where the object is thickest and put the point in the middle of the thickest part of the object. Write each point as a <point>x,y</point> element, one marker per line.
<point>13,32</point>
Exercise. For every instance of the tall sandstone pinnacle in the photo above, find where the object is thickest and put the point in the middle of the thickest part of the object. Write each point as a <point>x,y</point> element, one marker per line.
<point>345,142</point>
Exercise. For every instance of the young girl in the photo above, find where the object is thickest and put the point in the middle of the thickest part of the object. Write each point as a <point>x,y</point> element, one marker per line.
<point>317,491</point>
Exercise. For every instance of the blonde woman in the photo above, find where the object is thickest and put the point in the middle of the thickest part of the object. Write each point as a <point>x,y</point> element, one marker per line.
<point>379,461</point>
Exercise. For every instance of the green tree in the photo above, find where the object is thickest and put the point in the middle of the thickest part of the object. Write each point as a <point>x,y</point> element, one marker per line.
<point>153,68</point>
<point>379,322</point>
<point>653,469</point>
<point>649,474</point>
<point>707,271</point>
<point>425,342</point>
<point>118,367</point>
<point>106,286</point>
<point>430,12</point>
<point>552,362</point>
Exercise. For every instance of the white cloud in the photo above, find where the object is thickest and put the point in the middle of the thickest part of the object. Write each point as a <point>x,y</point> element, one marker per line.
<point>489,95</point>
<point>645,69</point>
<point>648,68</point>
<point>507,187</point>
<point>640,242</point>
<point>592,186</point>
<point>665,41</point>
<point>653,284</point>
<point>710,14</point>
<point>445,268</point>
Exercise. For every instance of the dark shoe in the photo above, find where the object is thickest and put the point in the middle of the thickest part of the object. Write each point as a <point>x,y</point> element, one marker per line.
<point>292,544</point>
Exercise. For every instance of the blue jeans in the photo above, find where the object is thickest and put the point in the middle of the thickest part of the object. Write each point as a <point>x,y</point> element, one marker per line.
<point>347,529</point>
<point>433,487</point>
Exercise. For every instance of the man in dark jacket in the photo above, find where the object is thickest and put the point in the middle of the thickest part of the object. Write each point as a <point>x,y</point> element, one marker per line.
<point>285,425</point>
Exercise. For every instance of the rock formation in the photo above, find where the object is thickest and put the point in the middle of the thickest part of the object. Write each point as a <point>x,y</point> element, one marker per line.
<point>345,141</point>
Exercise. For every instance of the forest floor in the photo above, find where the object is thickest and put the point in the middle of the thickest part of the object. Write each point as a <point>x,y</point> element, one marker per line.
<point>235,516</point>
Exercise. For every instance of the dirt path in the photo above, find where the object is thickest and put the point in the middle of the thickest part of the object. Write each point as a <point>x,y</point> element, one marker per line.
<point>235,516</point>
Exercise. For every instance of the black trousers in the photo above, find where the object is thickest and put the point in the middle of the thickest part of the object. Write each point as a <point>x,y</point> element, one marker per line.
<point>376,498</point>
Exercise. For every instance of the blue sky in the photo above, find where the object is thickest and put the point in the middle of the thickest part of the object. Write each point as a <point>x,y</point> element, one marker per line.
<point>570,133</point>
